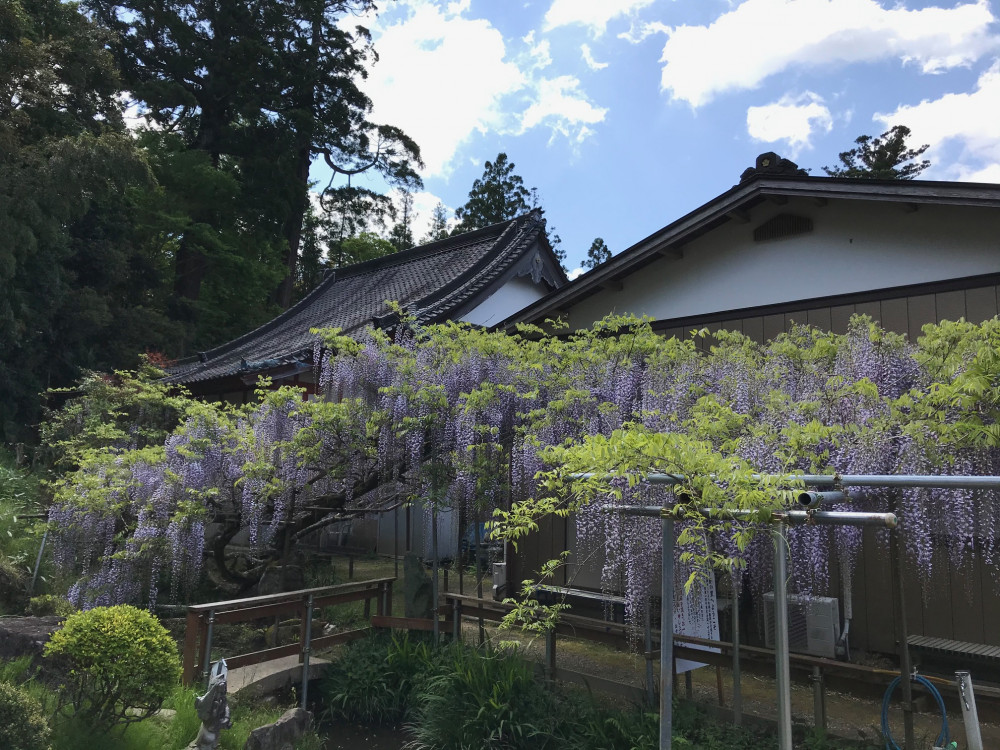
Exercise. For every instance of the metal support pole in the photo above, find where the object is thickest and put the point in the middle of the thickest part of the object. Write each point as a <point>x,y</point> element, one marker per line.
<point>650,690</point>
<point>688,685</point>
<point>905,668</point>
<point>973,735</point>
<point>434,579</point>
<point>207,656</point>
<point>782,673</point>
<point>307,650</point>
<point>667,634</point>
<point>550,654</point>
<point>819,698</point>
<point>38,562</point>
<point>737,687</point>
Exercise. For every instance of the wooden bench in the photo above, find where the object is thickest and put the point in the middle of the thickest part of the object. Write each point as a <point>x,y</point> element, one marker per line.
<point>550,594</point>
<point>949,648</point>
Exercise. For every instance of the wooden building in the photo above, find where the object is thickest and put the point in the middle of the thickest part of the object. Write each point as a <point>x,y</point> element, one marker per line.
<point>480,277</point>
<point>780,248</point>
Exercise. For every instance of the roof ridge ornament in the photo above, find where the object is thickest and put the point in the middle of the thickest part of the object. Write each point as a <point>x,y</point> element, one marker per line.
<point>770,164</point>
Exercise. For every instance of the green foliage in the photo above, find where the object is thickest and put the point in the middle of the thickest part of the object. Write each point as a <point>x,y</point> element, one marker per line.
<point>439,224</point>
<point>484,699</point>
<point>19,536</point>
<point>22,723</point>
<point>375,679</point>
<point>119,665</point>
<point>127,410</point>
<point>497,196</point>
<point>597,253</point>
<point>886,157</point>
<point>47,605</point>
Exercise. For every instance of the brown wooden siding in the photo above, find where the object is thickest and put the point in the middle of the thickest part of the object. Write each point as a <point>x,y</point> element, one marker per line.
<point>960,604</point>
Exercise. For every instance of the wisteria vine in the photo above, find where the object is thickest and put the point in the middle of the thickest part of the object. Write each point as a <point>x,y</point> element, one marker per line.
<point>491,423</point>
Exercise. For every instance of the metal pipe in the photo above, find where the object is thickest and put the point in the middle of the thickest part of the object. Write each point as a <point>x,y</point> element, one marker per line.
<point>903,480</point>
<point>307,650</point>
<point>38,562</point>
<point>782,672</point>
<point>813,499</point>
<point>970,716</point>
<point>905,671</point>
<point>666,633</point>
<point>207,656</point>
<point>650,690</point>
<point>819,699</point>
<point>849,480</point>
<point>817,517</point>
<point>737,687</point>
<point>434,580</point>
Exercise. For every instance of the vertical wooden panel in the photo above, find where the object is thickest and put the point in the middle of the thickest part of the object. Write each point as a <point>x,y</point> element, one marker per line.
<point>820,317</point>
<point>795,318</point>
<point>920,311</point>
<point>773,325</point>
<point>871,309</point>
<point>966,609</point>
<point>879,605</point>
<point>753,328</point>
<point>932,597</point>
<point>950,305</point>
<point>731,325</point>
<point>894,315</point>
<point>674,333</point>
<point>990,601</point>
<point>840,316</point>
<point>981,303</point>
<point>859,596</point>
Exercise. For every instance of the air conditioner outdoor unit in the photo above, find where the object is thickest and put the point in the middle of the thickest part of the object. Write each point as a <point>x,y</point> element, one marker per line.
<point>813,624</point>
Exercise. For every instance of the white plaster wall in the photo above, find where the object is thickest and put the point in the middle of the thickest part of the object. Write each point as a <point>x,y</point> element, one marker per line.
<point>854,246</point>
<point>516,294</point>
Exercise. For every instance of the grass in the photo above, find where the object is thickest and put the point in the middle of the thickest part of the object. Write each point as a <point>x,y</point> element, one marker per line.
<point>20,537</point>
<point>172,729</point>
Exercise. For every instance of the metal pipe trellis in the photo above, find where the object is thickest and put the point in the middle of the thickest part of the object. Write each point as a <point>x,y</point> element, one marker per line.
<point>782,518</point>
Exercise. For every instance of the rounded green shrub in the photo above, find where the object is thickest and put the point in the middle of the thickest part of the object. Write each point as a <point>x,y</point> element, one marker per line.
<point>47,605</point>
<point>119,664</point>
<point>22,724</point>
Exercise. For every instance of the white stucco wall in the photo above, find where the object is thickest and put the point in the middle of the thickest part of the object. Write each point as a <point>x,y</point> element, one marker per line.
<point>855,246</point>
<point>516,294</point>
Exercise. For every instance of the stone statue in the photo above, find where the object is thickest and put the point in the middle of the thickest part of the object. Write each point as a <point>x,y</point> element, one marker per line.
<point>213,710</point>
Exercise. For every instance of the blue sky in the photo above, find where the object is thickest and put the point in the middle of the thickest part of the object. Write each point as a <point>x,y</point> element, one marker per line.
<point>627,114</point>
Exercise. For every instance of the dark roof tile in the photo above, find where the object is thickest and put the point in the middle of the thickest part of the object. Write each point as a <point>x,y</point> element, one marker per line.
<point>433,282</point>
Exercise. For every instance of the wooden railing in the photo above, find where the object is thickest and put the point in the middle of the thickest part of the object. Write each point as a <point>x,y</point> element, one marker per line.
<point>202,619</point>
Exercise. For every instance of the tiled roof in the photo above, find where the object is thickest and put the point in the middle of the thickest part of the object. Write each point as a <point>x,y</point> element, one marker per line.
<point>433,282</point>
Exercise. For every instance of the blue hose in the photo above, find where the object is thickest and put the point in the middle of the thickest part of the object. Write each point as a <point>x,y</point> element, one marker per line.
<point>890,743</point>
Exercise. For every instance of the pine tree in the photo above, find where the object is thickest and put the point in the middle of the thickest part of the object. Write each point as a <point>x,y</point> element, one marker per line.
<point>597,254</point>
<point>439,224</point>
<point>886,157</point>
<point>499,195</point>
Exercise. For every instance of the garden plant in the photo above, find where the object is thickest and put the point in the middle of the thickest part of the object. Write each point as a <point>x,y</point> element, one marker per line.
<point>458,417</point>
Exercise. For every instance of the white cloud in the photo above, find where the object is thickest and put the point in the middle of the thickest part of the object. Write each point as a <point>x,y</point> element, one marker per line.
<point>760,38</point>
<point>967,119</point>
<point>562,105</point>
<point>441,77</point>
<point>576,272</point>
<point>641,32</point>
<point>790,119</point>
<point>594,14</point>
<point>588,58</point>
<point>539,53</point>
